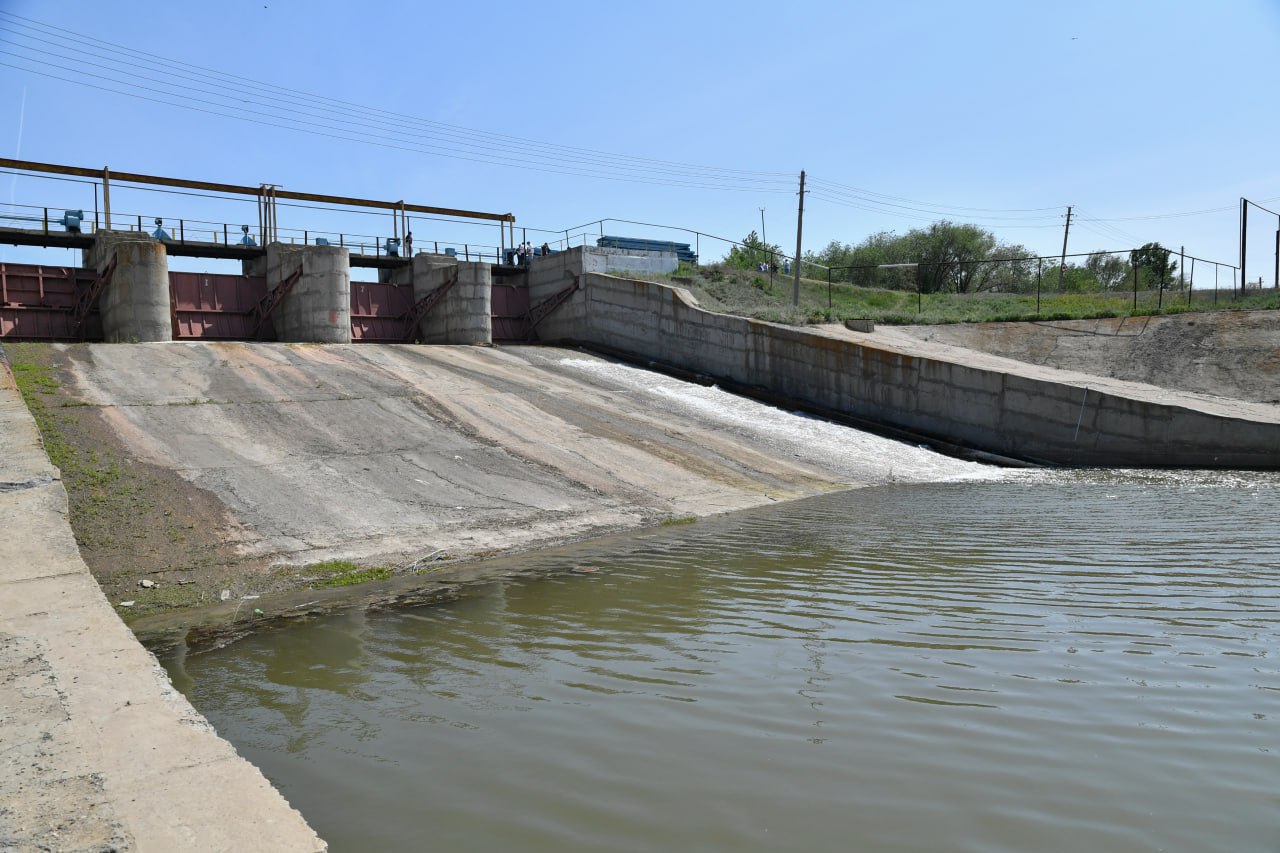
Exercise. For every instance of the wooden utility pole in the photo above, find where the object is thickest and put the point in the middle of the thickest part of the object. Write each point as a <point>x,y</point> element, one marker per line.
<point>795,287</point>
<point>1062,265</point>
<point>767,254</point>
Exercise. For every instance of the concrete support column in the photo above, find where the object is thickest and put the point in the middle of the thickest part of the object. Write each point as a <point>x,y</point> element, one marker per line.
<point>465,315</point>
<point>317,308</point>
<point>135,304</point>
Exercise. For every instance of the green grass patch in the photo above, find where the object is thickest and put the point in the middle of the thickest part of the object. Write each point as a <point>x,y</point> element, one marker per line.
<point>678,520</point>
<point>347,573</point>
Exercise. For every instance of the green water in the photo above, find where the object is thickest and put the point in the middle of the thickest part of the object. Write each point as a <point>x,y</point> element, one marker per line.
<point>1056,662</point>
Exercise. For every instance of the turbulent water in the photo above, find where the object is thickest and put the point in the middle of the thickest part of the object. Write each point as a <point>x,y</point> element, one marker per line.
<point>1052,662</point>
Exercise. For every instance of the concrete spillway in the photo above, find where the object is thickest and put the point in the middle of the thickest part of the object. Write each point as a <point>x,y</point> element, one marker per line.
<point>320,451</point>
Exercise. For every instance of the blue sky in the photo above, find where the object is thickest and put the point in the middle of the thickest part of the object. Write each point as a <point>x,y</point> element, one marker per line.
<point>687,114</point>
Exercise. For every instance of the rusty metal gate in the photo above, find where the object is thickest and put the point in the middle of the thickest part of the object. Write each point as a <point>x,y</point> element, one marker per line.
<point>45,304</point>
<point>510,309</point>
<point>379,312</point>
<point>205,306</point>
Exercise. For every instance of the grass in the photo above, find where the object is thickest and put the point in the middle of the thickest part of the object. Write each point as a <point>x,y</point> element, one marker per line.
<point>747,293</point>
<point>95,481</point>
<point>676,521</point>
<point>347,573</point>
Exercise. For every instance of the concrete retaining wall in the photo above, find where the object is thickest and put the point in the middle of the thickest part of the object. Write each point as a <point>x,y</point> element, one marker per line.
<point>1008,412</point>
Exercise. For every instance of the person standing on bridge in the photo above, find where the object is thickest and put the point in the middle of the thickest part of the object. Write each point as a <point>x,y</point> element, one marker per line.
<point>408,244</point>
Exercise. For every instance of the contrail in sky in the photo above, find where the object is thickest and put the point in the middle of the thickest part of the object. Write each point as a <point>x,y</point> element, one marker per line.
<point>17,155</point>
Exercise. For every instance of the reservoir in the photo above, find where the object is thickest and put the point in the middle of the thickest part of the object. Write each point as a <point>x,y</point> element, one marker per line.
<point>1050,660</point>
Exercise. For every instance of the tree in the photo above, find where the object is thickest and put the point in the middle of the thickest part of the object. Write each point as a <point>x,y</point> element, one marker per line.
<point>1109,272</point>
<point>752,253</point>
<point>951,256</point>
<point>1154,266</point>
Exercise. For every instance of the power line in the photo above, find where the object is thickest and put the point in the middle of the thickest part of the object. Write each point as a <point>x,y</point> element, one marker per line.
<point>870,195</point>
<point>934,218</point>
<point>418,127</point>
<point>411,148</point>
<point>341,122</point>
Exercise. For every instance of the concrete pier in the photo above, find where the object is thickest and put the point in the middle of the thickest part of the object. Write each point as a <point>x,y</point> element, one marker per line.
<point>135,305</point>
<point>317,308</point>
<point>97,750</point>
<point>465,315</point>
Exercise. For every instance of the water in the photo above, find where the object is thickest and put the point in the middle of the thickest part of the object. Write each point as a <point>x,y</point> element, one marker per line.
<point>1061,662</point>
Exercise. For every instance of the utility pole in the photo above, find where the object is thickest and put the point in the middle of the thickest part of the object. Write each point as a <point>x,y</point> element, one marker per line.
<point>768,255</point>
<point>795,287</point>
<point>1062,265</point>
<point>1244,238</point>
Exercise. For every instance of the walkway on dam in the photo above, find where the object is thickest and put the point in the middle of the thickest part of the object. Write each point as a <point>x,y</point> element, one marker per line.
<point>97,750</point>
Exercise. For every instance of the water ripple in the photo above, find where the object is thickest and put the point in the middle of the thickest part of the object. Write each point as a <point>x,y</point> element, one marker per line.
<point>1062,660</point>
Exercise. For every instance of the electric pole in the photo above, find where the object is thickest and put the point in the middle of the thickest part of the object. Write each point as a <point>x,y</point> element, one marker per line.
<point>768,256</point>
<point>1062,266</point>
<point>795,287</point>
<point>1244,238</point>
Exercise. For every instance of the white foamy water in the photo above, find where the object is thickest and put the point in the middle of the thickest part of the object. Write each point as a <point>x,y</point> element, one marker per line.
<point>851,453</point>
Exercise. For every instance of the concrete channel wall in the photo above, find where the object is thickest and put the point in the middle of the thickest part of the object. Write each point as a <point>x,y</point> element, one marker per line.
<point>97,749</point>
<point>1022,411</point>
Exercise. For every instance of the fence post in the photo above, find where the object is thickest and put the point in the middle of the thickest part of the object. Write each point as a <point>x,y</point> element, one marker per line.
<point>1133,265</point>
<point>828,293</point>
<point>1215,282</point>
<point>1191,283</point>
<point>1039,275</point>
<point>1164,270</point>
<point>919,298</point>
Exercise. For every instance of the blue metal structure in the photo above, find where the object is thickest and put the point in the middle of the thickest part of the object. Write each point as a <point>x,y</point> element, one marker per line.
<point>683,251</point>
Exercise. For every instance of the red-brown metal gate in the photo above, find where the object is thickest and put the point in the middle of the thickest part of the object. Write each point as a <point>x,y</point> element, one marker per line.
<point>378,312</point>
<point>510,309</point>
<point>39,303</point>
<point>217,307</point>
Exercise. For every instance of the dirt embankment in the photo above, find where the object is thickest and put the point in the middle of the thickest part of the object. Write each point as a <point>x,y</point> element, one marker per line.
<point>1233,354</point>
<point>234,478</point>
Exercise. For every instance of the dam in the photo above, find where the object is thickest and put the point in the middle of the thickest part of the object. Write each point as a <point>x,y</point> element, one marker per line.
<point>313,447</point>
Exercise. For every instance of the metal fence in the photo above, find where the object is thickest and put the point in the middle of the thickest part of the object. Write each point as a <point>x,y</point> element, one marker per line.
<point>1132,279</point>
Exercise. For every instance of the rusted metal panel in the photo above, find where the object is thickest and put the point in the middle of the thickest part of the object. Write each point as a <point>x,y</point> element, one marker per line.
<point>378,311</point>
<point>510,309</point>
<point>38,303</point>
<point>216,307</point>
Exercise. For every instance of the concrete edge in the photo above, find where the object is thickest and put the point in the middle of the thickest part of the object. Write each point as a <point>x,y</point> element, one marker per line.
<point>154,773</point>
